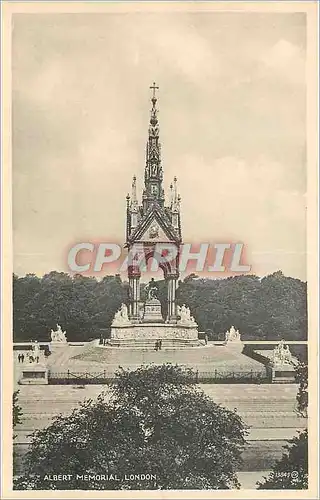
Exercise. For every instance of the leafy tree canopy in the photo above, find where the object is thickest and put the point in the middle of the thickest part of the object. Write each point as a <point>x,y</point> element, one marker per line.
<point>154,420</point>
<point>291,472</point>
<point>16,410</point>
<point>302,395</point>
<point>270,308</point>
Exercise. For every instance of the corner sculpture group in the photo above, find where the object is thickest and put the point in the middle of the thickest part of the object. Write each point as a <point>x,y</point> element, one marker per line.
<point>58,335</point>
<point>282,354</point>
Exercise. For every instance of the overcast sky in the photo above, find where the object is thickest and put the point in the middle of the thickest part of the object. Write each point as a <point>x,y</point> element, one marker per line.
<point>232,127</point>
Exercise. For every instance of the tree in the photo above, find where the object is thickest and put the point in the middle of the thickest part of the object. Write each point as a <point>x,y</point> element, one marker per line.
<point>156,422</point>
<point>82,305</point>
<point>302,395</point>
<point>24,316</point>
<point>16,419</point>
<point>16,411</point>
<point>109,293</point>
<point>291,472</point>
<point>274,307</point>
<point>284,302</point>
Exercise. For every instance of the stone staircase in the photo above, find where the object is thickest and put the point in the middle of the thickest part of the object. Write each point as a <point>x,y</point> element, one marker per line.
<point>276,407</point>
<point>40,401</point>
<point>268,410</point>
<point>61,357</point>
<point>149,344</point>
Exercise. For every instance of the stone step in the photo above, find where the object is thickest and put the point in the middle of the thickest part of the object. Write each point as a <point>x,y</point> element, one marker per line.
<point>149,344</point>
<point>259,405</point>
<point>37,420</point>
<point>246,412</point>
<point>248,407</point>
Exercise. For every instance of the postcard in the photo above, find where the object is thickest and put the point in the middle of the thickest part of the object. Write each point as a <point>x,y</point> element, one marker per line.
<point>159,256</point>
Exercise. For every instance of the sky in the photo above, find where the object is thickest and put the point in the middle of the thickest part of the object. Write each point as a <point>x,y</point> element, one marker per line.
<point>232,127</point>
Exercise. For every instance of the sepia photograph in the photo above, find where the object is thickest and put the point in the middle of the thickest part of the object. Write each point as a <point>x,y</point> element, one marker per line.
<point>159,229</point>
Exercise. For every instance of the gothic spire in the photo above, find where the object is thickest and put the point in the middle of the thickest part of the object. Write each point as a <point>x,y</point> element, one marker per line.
<point>153,170</point>
<point>153,212</point>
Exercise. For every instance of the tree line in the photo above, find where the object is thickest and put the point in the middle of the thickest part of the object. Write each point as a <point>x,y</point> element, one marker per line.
<point>268,308</point>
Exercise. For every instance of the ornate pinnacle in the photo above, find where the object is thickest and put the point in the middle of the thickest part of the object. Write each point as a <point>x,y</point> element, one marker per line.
<point>171,195</point>
<point>153,170</point>
<point>134,200</point>
<point>175,197</point>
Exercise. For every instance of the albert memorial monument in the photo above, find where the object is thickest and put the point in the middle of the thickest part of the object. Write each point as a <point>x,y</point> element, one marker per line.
<point>148,225</point>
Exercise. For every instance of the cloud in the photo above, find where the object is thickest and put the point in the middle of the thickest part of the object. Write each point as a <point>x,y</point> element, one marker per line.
<point>241,201</point>
<point>284,60</point>
<point>232,126</point>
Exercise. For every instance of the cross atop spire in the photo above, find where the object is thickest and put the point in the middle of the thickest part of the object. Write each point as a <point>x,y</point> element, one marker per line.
<point>154,88</point>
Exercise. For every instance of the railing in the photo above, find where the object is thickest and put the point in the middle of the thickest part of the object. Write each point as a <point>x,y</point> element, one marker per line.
<point>200,377</point>
<point>81,378</point>
<point>232,377</point>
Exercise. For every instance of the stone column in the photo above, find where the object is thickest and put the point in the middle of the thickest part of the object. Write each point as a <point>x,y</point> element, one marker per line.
<point>134,283</point>
<point>131,296</point>
<point>172,309</point>
<point>173,303</point>
<point>169,299</point>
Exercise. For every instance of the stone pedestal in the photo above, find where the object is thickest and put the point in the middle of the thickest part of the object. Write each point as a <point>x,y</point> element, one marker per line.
<point>154,331</point>
<point>144,335</point>
<point>236,346</point>
<point>145,329</point>
<point>152,311</point>
<point>34,374</point>
<point>282,373</point>
<point>55,346</point>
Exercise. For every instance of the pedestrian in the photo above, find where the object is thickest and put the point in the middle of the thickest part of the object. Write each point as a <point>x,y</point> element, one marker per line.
<point>206,338</point>
<point>156,345</point>
<point>22,358</point>
<point>160,344</point>
<point>19,358</point>
<point>37,359</point>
